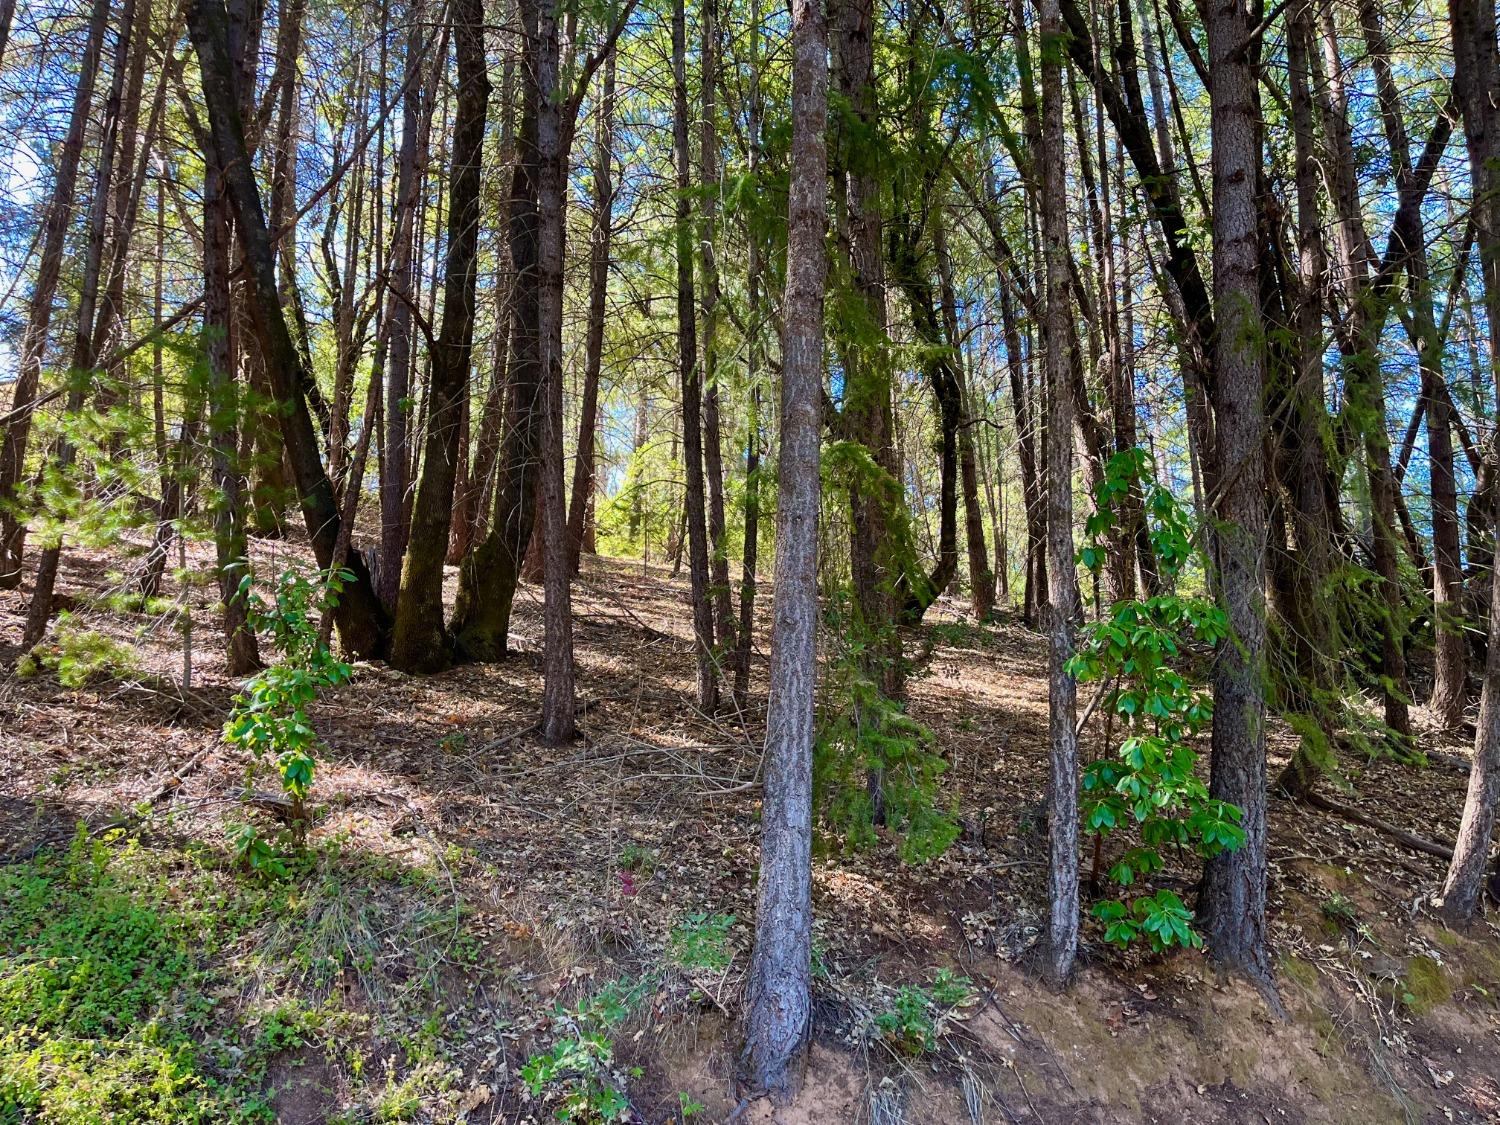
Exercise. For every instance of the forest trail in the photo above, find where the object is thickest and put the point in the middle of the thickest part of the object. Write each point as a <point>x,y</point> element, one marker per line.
<point>465,881</point>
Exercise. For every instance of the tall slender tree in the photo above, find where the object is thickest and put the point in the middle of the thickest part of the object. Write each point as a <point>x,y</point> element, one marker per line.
<point>778,994</point>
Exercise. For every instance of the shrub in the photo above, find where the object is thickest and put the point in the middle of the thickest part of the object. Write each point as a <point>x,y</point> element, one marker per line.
<point>1138,649</point>
<point>270,715</point>
<point>917,1016</point>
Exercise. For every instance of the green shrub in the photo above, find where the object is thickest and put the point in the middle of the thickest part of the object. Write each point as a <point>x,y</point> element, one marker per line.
<point>918,1015</point>
<point>79,656</point>
<point>577,1072</point>
<point>1139,650</point>
<point>701,941</point>
<point>270,715</point>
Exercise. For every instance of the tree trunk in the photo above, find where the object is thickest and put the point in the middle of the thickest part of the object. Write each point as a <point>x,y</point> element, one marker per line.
<point>231,563</point>
<point>395,451</point>
<point>81,372</point>
<point>362,623</point>
<point>692,392</point>
<point>874,558</point>
<point>778,1007</point>
<point>713,457</point>
<point>588,422</point>
<point>557,722</point>
<point>1062,789</point>
<point>1477,84</point>
<point>1233,901</point>
<point>488,577</point>
<point>419,643</point>
<point>39,319</point>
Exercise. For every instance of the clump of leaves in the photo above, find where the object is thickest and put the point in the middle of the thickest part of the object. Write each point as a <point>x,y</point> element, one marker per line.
<point>79,656</point>
<point>638,858</point>
<point>270,715</point>
<point>1139,650</point>
<point>701,941</point>
<point>578,1071</point>
<point>1339,911</point>
<point>918,1015</point>
<point>254,853</point>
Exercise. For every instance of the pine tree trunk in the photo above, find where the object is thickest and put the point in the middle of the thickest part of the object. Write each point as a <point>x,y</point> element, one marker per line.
<point>588,422</point>
<point>395,452</point>
<point>557,722</point>
<point>488,577</point>
<point>81,372</point>
<point>1062,788</point>
<point>778,1007</point>
<point>873,556</point>
<point>1232,905</point>
<point>713,456</point>
<point>362,623</point>
<point>1477,84</point>
<point>691,385</point>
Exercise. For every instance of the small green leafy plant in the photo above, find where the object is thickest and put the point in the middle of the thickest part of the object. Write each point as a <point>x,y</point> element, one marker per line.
<point>270,715</point>
<point>578,1071</point>
<point>701,941</point>
<point>918,1015</point>
<point>1138,650</point>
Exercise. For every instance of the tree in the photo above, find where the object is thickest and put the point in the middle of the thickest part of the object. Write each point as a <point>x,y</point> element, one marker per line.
<point>1233,901</point>
<point>39,319</point>
<point>419,643</point>
<point>778,1001</point>
<point>1062,689</point>
<point>1477,85</point>
<point>362,622</point>
<point>691,381</point>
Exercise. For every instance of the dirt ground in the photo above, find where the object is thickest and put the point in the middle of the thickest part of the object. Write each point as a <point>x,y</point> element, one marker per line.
<point>553,871</point>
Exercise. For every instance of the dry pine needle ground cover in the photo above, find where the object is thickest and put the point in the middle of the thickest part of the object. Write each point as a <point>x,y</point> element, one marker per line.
<point>472,906</point>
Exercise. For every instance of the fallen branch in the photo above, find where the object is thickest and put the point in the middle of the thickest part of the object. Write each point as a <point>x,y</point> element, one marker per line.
<point>1400,835</point>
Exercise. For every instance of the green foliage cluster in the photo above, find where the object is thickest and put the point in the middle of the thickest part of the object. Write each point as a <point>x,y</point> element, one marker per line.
<point>90,497</point>
<point>270,714</point>
<point>918,1014</point>
<point>701,941</point>
<point>578,1073</point>
<point>862,733</point>
<point>78,656</point>
<point>104,997</point>
<point>1138,650</point>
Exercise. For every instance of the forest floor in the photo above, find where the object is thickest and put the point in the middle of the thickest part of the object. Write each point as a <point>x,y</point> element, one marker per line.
<point>486,929</point>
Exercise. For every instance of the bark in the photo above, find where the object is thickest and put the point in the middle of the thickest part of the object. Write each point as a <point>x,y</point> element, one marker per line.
<point>1477,85</point>
<point>81,371</point>
<point>420,643</point>
<point>230,557</point>
<point>753,280</point>
<point>691,385</point>
<point>488,577</point>
<point>1062,788</point>
<point>362,623</point>
<point>557,723</point>
<point>874,557</point>
<point>1232,905</point>
<point>1301,425</point>
<point>603,226</point>
<point>778,992</point>
<point>395,450</point>
<point>33,347</point>
<point>981,577</point>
